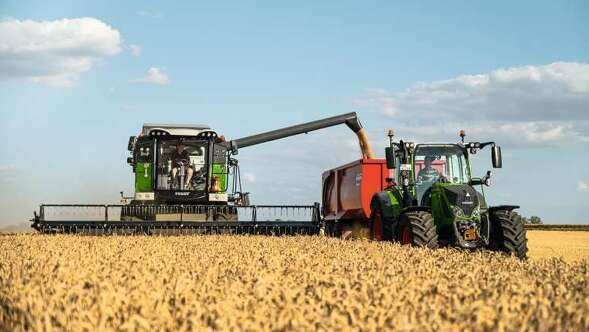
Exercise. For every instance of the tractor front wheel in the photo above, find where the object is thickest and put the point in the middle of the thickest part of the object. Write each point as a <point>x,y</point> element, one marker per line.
<point>508,233</point>
<point>417,228</point>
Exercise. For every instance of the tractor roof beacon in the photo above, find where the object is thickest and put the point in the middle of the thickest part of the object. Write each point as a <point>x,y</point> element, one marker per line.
<point>433,200</point>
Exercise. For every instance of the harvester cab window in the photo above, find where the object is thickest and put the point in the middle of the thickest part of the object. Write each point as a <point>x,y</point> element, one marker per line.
<point>439,163</point>
<point>182,166</point>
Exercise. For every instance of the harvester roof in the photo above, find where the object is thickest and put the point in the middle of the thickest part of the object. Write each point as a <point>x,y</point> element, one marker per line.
<point>175,129</point>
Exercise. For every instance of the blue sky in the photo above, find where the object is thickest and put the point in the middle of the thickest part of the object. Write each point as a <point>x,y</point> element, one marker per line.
<point>78,78</point>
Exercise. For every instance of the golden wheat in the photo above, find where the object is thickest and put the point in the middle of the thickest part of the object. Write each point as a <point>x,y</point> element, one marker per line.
<point>569,245</point>
<point>288,283</point>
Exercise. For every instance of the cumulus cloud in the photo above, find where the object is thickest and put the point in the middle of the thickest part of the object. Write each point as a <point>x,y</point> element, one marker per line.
<point>54,52</point>
<point>135,49</point>
<point>530,105</point>
<point>583,186</point>
<point>154,76</point>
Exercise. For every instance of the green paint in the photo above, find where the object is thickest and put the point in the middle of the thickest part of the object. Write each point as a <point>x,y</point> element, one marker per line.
<point>220,170</point>
<point>143,177</point>
<point>396,199</point>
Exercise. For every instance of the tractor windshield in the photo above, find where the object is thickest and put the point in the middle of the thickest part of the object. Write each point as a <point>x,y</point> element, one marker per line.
<point>439,163</point>
<point>181,165</point>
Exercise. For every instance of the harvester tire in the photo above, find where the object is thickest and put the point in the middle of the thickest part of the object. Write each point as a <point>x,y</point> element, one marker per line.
<point>508,233</point>
<point>417,228</point>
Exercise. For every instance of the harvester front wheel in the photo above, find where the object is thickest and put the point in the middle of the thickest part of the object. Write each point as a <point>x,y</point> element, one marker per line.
<point>417,228</point>
<point>508,233</point>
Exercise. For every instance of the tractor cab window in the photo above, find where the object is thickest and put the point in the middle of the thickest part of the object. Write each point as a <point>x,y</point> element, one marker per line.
<point>439,163</point>
<point>182,165</point>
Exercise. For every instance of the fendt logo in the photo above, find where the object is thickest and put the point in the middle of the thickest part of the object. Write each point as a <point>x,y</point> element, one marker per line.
<point>181,193</point>
<point>467,199</point>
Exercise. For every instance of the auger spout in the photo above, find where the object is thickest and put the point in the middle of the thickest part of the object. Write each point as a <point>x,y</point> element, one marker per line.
<point>349,119</point>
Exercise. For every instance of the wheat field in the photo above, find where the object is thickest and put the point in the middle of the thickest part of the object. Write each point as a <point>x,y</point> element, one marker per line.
<point>253,283</point>
<point>568,245</point>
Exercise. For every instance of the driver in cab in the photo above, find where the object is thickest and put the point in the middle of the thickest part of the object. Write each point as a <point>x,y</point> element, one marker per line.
<point>428,173</point>
<point>180,157</point>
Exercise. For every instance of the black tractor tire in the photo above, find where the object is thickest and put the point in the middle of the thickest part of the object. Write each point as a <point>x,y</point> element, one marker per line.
<point>508,234</point>
<point>417,228</point>
<point>381,228</point>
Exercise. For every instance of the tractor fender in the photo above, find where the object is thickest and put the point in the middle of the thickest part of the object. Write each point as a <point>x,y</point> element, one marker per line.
<point>383,200</point>
<point>503,208</point>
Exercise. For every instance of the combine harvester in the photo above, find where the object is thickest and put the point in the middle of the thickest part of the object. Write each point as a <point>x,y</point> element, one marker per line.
<point>188,181</point>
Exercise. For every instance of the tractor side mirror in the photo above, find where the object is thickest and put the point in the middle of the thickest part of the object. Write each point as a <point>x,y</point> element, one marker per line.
<point>496,156</point>
<point>390,156</point>
<point>131,143</point>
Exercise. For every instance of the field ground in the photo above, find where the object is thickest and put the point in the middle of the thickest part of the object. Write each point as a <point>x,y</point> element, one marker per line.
<point>291,283</point>
<point>569,245</point>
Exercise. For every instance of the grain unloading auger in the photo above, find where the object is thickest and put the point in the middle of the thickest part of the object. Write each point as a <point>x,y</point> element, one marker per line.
<point>188,181</point>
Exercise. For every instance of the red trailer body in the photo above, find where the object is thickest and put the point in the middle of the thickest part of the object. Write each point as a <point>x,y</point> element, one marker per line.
<point>348,189</point>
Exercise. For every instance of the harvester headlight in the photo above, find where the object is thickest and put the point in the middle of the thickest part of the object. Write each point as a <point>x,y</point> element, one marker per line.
<point>457,211</point>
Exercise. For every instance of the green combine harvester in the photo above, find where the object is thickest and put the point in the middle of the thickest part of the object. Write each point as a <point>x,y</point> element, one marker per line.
<point>187,180</point>
<point>432,201</point>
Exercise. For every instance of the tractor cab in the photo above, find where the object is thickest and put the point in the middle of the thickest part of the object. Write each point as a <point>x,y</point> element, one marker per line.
<point>439,163</point>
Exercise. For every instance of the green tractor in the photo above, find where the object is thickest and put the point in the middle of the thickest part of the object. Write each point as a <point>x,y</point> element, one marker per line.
<point>433,200</point>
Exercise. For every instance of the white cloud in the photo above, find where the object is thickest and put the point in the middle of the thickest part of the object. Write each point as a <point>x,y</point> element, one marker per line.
<point>135,49</point>
<point>7,173</point>
<point>150,14</point>
<point>154,76</point>
<point>582,186</point>
<point>54,52</point>
<point>7,168</point>
<point>249,177</point>
<point>530,105</point>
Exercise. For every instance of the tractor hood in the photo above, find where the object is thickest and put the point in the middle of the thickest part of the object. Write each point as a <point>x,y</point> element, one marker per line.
<point>462,197</point>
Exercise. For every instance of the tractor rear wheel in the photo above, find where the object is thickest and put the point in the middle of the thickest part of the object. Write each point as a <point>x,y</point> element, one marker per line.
<point>417,228</point>
<point>508,234</point>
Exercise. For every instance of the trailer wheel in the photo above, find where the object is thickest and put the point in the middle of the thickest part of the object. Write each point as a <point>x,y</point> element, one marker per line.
<point>417,228</point>
<point>381,226</point>
<point>376,224</point>
<point>508,233</point>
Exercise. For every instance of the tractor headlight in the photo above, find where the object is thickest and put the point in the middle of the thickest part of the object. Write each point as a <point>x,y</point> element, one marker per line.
<point>457,211</point>
<point>476,213</point>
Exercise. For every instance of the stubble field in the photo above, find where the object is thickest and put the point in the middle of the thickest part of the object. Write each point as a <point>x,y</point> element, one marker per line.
<point>289,283</point>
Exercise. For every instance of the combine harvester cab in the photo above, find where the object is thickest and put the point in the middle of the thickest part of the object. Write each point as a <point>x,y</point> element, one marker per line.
<point>187,180</point>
